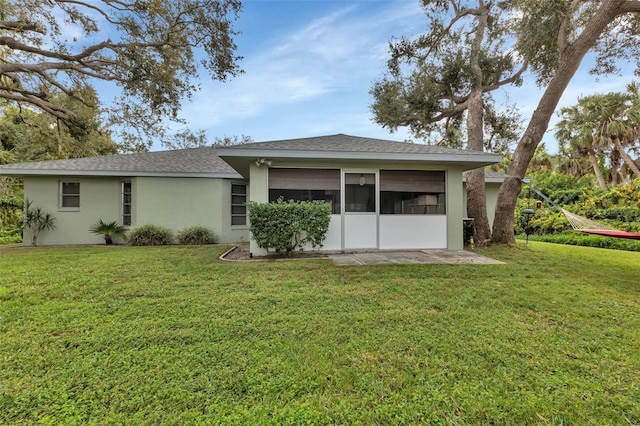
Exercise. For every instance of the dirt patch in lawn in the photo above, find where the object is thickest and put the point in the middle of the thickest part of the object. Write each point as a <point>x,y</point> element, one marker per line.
<point>241,253</point>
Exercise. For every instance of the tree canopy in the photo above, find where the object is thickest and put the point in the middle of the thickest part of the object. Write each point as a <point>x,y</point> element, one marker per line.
<point>428,82</point>
<point>31,135</point>
<point>152,50</point>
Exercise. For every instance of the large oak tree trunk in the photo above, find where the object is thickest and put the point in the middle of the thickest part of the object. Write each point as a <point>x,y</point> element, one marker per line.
<point>476,195</point>
<point>570,59</point>
<point>476,191</point>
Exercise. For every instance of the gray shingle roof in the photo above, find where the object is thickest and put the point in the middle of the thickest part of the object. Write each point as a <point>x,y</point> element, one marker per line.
<point>352,149</point>
<point>347,143</point>
<point>204,162</point>
<point>192,161</point>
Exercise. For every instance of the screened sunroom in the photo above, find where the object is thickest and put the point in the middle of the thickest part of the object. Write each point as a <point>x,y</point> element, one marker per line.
<point>371,208</point>
<point>384,195</point>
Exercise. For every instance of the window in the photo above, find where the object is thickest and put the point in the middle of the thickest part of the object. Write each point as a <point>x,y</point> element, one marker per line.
<point>306,185</point>
<point>360,192</point>
<point>412,192</point>
<point>126,203</point>
<point>69,195</point>
<point>238,204</point>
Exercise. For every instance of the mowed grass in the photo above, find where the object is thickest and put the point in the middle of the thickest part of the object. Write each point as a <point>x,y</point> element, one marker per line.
<point>171,335</point>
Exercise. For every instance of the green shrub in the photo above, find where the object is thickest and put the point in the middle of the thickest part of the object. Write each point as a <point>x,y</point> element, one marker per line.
<point>11,213</point>
<point>196,235</point>
<point>289,225</point>
<point>617,207</point>
<point>562,189</point>
<point>10,236</point>
<point>150,235</point>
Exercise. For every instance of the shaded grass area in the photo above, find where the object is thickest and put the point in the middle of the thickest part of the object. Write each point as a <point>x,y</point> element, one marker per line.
<point>580,239</point>
<point>172,335</point>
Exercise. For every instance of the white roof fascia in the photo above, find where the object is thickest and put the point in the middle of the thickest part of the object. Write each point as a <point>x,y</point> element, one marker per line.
<point>491,179</point>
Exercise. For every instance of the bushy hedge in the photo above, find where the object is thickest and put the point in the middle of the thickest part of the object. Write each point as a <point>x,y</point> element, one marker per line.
<point>543,221</point>
<point>560,188</point>
<point>196,235</point>
<point>150,235</point>
<point>10,236</point>
<point>285,226</point>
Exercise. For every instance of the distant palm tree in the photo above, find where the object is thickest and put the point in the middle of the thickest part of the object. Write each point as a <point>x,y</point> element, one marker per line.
<point>619,115</point>
<point>569,162</point>
<point>604,126</point>
<point>542,160</point>
<point>577,131</point>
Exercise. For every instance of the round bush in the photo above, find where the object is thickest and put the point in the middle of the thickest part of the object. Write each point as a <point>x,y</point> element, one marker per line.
<point>150,235</point>
<point>196,235</point>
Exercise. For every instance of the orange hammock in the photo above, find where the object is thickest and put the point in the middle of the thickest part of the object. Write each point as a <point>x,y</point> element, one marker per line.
<point>588,226</point>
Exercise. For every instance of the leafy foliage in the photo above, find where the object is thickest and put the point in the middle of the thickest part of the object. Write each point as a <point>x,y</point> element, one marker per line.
<point>232,140</point>
<point>150,235</point>
<point>429,79</point>
<point>27,135</point>
<point>188,139</point>
<point>11,212</point>
<point>439,86</point>
<point>10,236</point>
<point>561,188</point>
<point>547,28</point>
<point>196,235</point>
<point>285,226</point>
<point>147,48</point>
<point>603,127</point>
<point>617,207</point>
<point>109,230</point>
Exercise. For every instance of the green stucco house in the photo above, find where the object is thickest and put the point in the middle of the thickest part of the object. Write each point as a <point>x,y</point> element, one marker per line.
<point>384,195</point>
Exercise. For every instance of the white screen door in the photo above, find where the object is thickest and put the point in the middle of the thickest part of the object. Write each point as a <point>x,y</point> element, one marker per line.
<point>360,209</point>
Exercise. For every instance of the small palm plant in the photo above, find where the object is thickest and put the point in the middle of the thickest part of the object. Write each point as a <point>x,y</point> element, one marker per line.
<point>108,230</point>
<point>36,220</point>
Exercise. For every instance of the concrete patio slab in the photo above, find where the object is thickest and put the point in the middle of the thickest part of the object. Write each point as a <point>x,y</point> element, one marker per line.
<point>435,256</point>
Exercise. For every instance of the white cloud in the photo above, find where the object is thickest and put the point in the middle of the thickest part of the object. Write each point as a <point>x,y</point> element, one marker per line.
<point>314,78</point>
<point>341,52</point>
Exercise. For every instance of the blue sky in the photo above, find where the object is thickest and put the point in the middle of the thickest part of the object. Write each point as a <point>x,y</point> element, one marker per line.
<point>309,66</point>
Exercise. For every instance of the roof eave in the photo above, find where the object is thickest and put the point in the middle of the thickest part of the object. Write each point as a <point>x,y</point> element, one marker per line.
<point>114,173</point>
<point>347,155</point>
<point>492,179</point>
<point>468,161</point>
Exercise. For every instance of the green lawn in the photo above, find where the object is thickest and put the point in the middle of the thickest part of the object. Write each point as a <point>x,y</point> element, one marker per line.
<point>171,335</point>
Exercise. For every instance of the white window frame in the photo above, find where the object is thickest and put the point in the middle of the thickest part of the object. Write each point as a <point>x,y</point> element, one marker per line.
<point>123,204</point>
<point>62,195</point>
<point>244,204</point>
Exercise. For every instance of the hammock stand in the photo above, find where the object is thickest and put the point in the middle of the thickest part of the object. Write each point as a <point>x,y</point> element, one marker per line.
<point>588,226</point>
